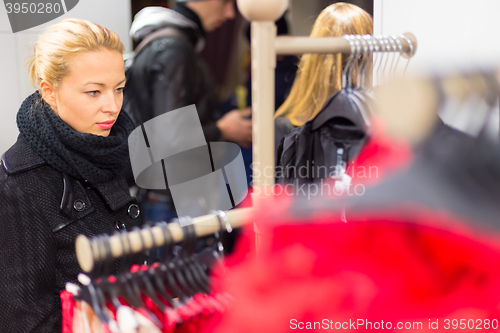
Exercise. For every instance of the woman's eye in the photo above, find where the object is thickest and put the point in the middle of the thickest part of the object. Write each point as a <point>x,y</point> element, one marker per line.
<point>120,90</point>
<point>93,93</point>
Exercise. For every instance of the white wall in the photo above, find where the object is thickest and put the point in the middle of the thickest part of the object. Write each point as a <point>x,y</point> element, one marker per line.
<point>301,16</point>
<point>16,48</point>
<point>450,34</point>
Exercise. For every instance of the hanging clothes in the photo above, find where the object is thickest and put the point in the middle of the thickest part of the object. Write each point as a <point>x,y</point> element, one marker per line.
<point>451,171</point>
<point>79,317</point>
<point>374,268</point>
<point>420,245</point>
<point>138,303</point>
<point>335,136</point>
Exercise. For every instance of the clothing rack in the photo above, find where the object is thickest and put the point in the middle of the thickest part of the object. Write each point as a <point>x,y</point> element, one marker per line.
<point>265,45</point>
<point>88,250</point>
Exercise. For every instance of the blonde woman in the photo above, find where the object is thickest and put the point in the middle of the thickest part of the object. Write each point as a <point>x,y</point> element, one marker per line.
<point>63,175</point>
<point>319,75</point>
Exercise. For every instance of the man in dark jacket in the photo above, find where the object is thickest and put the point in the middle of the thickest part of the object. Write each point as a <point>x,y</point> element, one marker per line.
<point>168,73</point>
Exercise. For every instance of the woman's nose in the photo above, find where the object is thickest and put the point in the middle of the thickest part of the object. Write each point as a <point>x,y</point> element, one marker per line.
<point>113,103</point>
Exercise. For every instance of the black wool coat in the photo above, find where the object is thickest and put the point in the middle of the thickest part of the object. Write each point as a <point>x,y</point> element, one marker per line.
<point>42,212</point>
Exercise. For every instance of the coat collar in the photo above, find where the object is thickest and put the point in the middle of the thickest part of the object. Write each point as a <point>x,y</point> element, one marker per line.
<point>21,157</point>
<point>115,192</point>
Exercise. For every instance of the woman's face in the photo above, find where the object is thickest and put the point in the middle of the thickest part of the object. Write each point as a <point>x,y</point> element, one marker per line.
<point>90,98</point>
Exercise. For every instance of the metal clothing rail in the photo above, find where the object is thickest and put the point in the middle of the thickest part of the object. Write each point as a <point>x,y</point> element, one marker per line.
<point>300,45</point>
<point>89,251</point>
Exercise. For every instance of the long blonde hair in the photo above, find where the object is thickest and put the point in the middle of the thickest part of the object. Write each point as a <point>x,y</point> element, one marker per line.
<point>320,75</point>
<point>61,42</point>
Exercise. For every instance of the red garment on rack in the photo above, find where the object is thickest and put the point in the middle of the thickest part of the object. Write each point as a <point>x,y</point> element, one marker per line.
<point>78,316</point>
<point>381,153</point>
<point>409,264</point>
<point>68,310</point>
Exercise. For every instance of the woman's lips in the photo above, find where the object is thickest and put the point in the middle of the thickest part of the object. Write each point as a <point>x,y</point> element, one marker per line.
<point>106,124</point>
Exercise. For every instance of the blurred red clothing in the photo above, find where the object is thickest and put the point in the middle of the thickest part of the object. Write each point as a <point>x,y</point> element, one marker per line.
<point>396,266</point>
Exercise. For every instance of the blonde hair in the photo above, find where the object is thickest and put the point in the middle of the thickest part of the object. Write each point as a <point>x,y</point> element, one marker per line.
<point>320,75</point>
<point>61,42</point>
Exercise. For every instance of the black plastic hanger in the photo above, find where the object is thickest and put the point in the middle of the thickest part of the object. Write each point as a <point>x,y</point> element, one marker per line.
<point>156,274</point>
<point>144,277</point>
<point>175,280</point>
<point>116,288</point>
<point>122,280</point>
<point>209,256</point>
<point>174,267</point>
<point>107,258</point>
<point>97,306</point>
<point>135,281</point>
<point>188,246</point>
<point>89,294</point>
<point>126,251</point>
<point>199,275</point>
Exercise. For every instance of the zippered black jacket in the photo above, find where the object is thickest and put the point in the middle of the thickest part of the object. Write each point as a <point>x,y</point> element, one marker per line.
<point>43,211</point>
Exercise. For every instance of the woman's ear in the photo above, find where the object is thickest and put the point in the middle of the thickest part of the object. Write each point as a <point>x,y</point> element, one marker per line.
<point>48,94</point>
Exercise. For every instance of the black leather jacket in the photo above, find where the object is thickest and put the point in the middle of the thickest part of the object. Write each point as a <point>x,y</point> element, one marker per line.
<point>169,73</point>
<point>37,241</point>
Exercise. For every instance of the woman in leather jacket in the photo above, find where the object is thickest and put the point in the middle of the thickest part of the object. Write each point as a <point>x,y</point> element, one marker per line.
<point>63,176</point>
<point>320,75</point>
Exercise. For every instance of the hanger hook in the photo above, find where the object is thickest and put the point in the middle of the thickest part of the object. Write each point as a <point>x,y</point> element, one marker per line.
<point>227,224</point>
<point>224,225</point>
<point>361,67</point>
<point>366,56</point>
<point>154,244</point>
<point>107,254</point>
<point>189,233</point>
<point>411,54</point>
<point>380,41</point>
<point>97,241</point>
<point>122,244</point>
<point>98,257</point>
<point>400,48</point>
<point>126,250</point>
<point>355,62</point>
<point>387,56</point>
<point>349,60</point>
<point>394,49</point>
<point>138,230</point>
<point>168,241</point>
<point>369,61</point>
<point>376,57</point>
